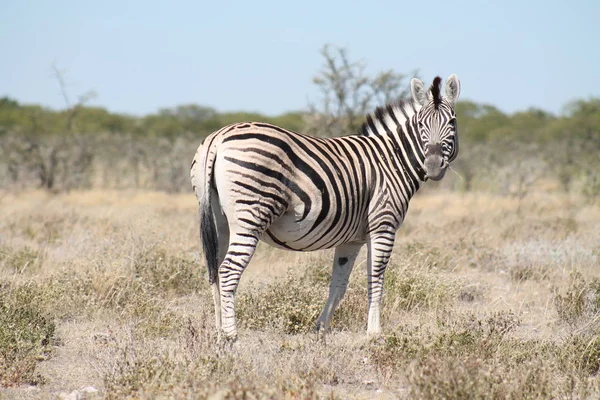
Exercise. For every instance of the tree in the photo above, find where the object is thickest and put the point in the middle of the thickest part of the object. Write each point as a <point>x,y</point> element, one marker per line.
<point>581,129</point>
<point>71,109</point>
<point>348,93</point>
<point>7,102</point>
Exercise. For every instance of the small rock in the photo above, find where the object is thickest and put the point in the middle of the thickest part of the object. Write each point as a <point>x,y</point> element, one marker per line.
<point>89,389</point>
<point>74,395</point>
<point>370,384</point>
<point>103,338</point>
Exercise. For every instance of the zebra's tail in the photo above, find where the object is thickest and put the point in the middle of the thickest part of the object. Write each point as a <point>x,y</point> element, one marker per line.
<point>210,244</point>
<point>202,182</point>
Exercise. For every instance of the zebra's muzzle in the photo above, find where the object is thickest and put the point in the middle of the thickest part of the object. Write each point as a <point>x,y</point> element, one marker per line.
<point>435,166</point>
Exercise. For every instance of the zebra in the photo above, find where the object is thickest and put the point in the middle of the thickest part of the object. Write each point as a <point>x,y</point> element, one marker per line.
<point>256,181</point>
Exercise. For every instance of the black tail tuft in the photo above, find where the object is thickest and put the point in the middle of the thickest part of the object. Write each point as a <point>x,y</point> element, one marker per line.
<point>208,233</point>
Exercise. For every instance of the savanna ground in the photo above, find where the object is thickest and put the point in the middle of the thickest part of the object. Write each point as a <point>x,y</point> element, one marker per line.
<point>103,294</point>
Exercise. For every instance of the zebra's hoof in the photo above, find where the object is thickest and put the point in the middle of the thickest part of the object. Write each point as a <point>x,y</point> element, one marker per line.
<point>321,327</point>
<point>374,336</point>
<point>321,333</point>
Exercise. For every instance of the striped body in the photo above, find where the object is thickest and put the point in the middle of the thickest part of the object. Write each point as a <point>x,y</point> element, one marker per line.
<point>318,192</point>
<point>256,181</point>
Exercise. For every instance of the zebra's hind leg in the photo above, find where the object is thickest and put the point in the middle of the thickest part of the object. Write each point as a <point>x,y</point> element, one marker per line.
<point>223,240</point>
<point>242,246</point>
<point>380,250</point>
<point>343,262</point>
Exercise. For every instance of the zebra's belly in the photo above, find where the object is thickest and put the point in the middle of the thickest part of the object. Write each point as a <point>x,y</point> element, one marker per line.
<point>285,241</point>
<point>290,234</point>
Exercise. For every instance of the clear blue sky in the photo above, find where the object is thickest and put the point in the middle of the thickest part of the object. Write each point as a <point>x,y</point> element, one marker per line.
<point>139,56</point>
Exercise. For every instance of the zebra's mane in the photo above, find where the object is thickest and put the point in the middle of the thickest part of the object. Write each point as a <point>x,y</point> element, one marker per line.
<point>436,92</point>
<point>385,120</point>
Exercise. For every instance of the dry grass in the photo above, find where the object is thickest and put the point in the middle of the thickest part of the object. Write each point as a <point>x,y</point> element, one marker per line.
<point>106,289</point>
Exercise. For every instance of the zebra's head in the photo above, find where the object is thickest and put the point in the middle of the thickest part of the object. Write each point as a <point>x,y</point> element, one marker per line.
<point>436,123</point>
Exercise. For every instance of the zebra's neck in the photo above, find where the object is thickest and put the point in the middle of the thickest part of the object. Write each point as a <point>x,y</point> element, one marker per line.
<point>398,122</point>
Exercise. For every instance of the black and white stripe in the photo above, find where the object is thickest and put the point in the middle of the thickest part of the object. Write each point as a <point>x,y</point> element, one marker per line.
<point>256,181</point>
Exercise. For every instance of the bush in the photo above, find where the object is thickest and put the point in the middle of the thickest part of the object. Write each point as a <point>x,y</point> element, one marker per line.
<point>25,337</point>
<point>292,305</point>
<point>408,290</point>
<point>580,300</point>
<point>19,260</point>
<point>473,357</point>
<point>191,368</point>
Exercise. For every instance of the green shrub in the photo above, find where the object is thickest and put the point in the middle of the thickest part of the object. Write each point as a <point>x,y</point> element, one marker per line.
<point>528,271</point>
<point>470,377</point>
<point>69,295</point>
<point>410,290</point>
<point>292,305</point>
<point>25,337</point>
<point>425,256</point>
<point>581,353</point>
<point>168,274</point>
<point>580,300</point>
<point>197,372</point>
<point>19,260</point>
<point>474,357</point>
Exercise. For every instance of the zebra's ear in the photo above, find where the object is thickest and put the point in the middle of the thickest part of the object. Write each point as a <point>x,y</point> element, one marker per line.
<point>452,88</point>
<point>418,91</point>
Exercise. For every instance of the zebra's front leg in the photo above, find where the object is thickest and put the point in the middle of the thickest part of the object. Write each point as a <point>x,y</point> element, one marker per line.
<point>380,250</point>
<point>241,249</point>
<point>343,262</point>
